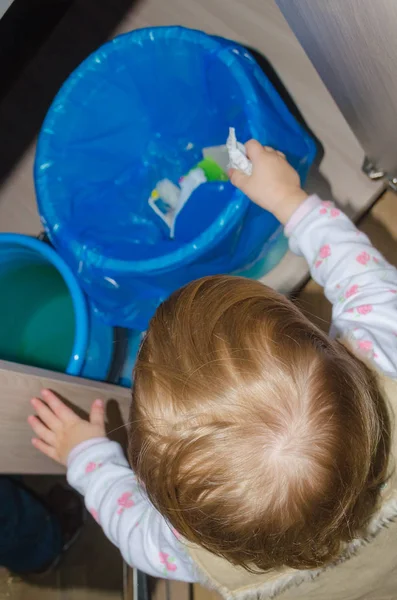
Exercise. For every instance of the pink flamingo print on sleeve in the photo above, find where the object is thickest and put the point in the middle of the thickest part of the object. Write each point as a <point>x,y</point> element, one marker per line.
<point>125,501</point>
<point>365,309</point>
<point>349,293</point>
<point>361,311</point>
<point>91,467</point>
<point>352,291</point>
<point>328,207</point>
<point>365,345</point>
<point>168,562</point>
<point>325,252</point>
<point>363,258</point>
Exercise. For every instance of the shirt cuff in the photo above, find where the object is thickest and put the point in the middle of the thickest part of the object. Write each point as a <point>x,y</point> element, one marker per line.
<point>304,209</point>
<point>84,446</point>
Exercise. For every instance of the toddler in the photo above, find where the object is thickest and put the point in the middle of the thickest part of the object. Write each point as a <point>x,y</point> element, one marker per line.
<point>257,442</point>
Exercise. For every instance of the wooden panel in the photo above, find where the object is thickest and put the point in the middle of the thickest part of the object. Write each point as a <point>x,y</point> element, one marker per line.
<point>165,589</point>
<point>381,226</point>
<point>354,48</point>
<point>18,384</point>
<point>201,593</point>
<point>178,590</point>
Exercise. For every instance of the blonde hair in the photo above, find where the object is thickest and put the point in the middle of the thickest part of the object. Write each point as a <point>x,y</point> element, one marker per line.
<point>255,435</point>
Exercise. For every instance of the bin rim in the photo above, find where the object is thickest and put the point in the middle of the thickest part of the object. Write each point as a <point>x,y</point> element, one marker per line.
<point>80,343</point>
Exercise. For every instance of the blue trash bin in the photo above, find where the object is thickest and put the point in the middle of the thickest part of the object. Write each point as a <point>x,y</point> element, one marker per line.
<point>140,109</point>
<point>45,320</point>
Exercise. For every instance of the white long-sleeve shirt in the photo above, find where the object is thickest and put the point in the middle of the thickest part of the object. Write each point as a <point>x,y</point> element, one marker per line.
<point>362,287</point>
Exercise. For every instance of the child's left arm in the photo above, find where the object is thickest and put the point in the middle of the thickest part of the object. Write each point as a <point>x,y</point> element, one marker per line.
<point>98,469</point>
<point>357,280</point>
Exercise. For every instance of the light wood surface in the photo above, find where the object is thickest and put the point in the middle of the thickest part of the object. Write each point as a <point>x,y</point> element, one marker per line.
<point>201,593</point>
<point>162,589</point>
<point>18,384</point>
<point>354,47</point>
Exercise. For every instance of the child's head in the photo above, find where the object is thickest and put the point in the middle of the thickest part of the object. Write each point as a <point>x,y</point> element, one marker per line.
<point>256,436</point>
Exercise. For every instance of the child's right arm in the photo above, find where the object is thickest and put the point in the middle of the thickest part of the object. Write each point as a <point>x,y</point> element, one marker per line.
<point>356,278</point>
<point>98,469</point>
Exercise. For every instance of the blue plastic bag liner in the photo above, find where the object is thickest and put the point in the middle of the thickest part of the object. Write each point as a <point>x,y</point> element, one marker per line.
<point>141,109</point>
<point>134,340</point>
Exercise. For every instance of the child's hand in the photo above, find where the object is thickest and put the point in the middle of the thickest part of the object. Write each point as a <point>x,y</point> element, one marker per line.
<point>59,429</point>
<point>273,185</point>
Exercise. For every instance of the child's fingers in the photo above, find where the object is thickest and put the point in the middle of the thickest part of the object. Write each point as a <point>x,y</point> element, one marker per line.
<point>97,413</point>
<point>41,430</point>
<point>63,412</point>
<point>46,414</point>
<point>45,448</point>
<point>255,150</point>
<point>238,178</point>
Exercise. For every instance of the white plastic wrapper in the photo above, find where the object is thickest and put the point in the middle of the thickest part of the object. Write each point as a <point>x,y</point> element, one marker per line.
<point>237,154</point>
